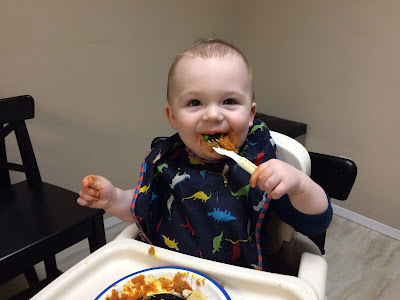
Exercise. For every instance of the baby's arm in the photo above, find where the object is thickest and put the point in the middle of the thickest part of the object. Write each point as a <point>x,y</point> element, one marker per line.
<point>277,178</point>
<point>99,192</point>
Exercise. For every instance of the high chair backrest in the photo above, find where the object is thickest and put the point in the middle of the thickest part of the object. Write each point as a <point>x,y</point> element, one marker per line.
<point>292,152</point>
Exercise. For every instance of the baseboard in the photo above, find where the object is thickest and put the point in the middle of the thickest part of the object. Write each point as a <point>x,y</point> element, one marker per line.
<point>367,222</point>
<point>112,221</point>
<point>340,211</point>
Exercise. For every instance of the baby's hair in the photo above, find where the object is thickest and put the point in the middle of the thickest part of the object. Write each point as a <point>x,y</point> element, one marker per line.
<point>209,48</point>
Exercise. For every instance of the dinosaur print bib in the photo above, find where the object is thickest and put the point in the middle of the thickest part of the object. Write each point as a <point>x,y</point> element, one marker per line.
<point>204,209</point>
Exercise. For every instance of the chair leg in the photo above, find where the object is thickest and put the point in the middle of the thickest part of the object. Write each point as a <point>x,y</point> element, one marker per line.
<point>51,268</point>
<point>319,240</point>
<point>98,238</point>
<point>31,276</point>
<point>4,173</point>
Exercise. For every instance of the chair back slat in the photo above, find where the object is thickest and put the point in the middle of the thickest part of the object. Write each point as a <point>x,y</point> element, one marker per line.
<point>4,173</point>
<point>335,174</point>
<point>14,112</point>
<point>27,154</point>
<point>16,109</point>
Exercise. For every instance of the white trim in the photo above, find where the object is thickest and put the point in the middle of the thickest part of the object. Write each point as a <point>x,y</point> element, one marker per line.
<point>111,221</point>
<point>367,222</point>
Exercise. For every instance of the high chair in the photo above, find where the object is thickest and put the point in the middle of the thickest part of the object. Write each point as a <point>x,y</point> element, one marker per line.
<point>126,255</point>
<point>37,219</point>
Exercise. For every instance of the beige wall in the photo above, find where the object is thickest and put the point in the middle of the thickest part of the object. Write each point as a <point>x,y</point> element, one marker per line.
<point>334,65</point>
<point>97,70</point>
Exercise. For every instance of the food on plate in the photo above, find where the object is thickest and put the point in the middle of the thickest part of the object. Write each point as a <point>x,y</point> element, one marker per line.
<point>152,251</point>
<point>193,295</point>
<point>142,286</point>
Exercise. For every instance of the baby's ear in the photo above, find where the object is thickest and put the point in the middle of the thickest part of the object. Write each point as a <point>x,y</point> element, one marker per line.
<point>252,113</point>
<point>169,113</point>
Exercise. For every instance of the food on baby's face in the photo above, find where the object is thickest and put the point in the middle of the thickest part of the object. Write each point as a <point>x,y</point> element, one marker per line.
<point>218,140</point>
<point>209,145</point>
<point>226,143</point>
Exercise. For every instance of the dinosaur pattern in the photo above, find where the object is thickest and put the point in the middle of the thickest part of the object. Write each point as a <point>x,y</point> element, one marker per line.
<point>217,242</point>
<point>195,161</point>
<point>201,208</point>
<point>235,254</point>
<point>260,126</point>
<point>200,195</point>
<point>144,189</point>
<point>243,191</point>
<point>161,167</point>
<point>170,243</point>
<point>178,178</point>
<point>221,216</point>
<point>259,158</point>
<point>157,158</point>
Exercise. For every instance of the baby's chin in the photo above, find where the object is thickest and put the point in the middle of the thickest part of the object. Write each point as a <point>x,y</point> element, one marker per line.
<point>207,151</point>
<point>207,155</point>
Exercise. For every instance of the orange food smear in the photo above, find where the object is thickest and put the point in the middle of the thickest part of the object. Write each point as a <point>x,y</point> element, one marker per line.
<point>200,281</point>
<point>92,180</point>
<point>179,284</point>
<point>152,251</point>
<point>226,143</point>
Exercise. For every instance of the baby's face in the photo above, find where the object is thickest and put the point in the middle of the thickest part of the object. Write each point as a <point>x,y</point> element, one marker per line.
<point>209,96</point>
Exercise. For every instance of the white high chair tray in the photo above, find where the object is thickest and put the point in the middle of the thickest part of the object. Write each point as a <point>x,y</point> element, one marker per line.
<point>124,256</point>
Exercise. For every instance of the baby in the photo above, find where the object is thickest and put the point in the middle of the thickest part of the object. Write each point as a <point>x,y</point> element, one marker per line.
<point>195,201</point>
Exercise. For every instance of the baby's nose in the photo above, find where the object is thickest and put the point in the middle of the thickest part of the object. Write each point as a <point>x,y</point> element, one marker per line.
<point>213,114</point>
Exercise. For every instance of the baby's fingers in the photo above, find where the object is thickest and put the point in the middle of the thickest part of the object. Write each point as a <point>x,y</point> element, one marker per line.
<point>261,171</point>
<point>89,194</point>
<point>82,202</point>
<point>91,181</point>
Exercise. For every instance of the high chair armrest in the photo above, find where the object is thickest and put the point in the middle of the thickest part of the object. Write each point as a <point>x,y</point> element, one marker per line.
<point>292,152</point>
<point>130,231</point>
<point>314,269</point>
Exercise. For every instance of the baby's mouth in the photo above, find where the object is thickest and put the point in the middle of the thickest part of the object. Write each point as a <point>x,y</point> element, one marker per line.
<point>219,140</point>
<point>212,137</point>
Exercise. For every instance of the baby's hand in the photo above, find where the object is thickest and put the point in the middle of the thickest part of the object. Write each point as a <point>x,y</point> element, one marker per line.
<point>277,178</point>
<point>96,192</point>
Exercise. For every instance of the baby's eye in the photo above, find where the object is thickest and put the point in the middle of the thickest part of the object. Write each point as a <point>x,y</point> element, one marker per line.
<point>194,102</point>
<point>229,101</point>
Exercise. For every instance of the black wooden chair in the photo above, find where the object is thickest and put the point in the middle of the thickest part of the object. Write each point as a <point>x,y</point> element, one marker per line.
<point>336,175</point>
<point>37,219</point>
